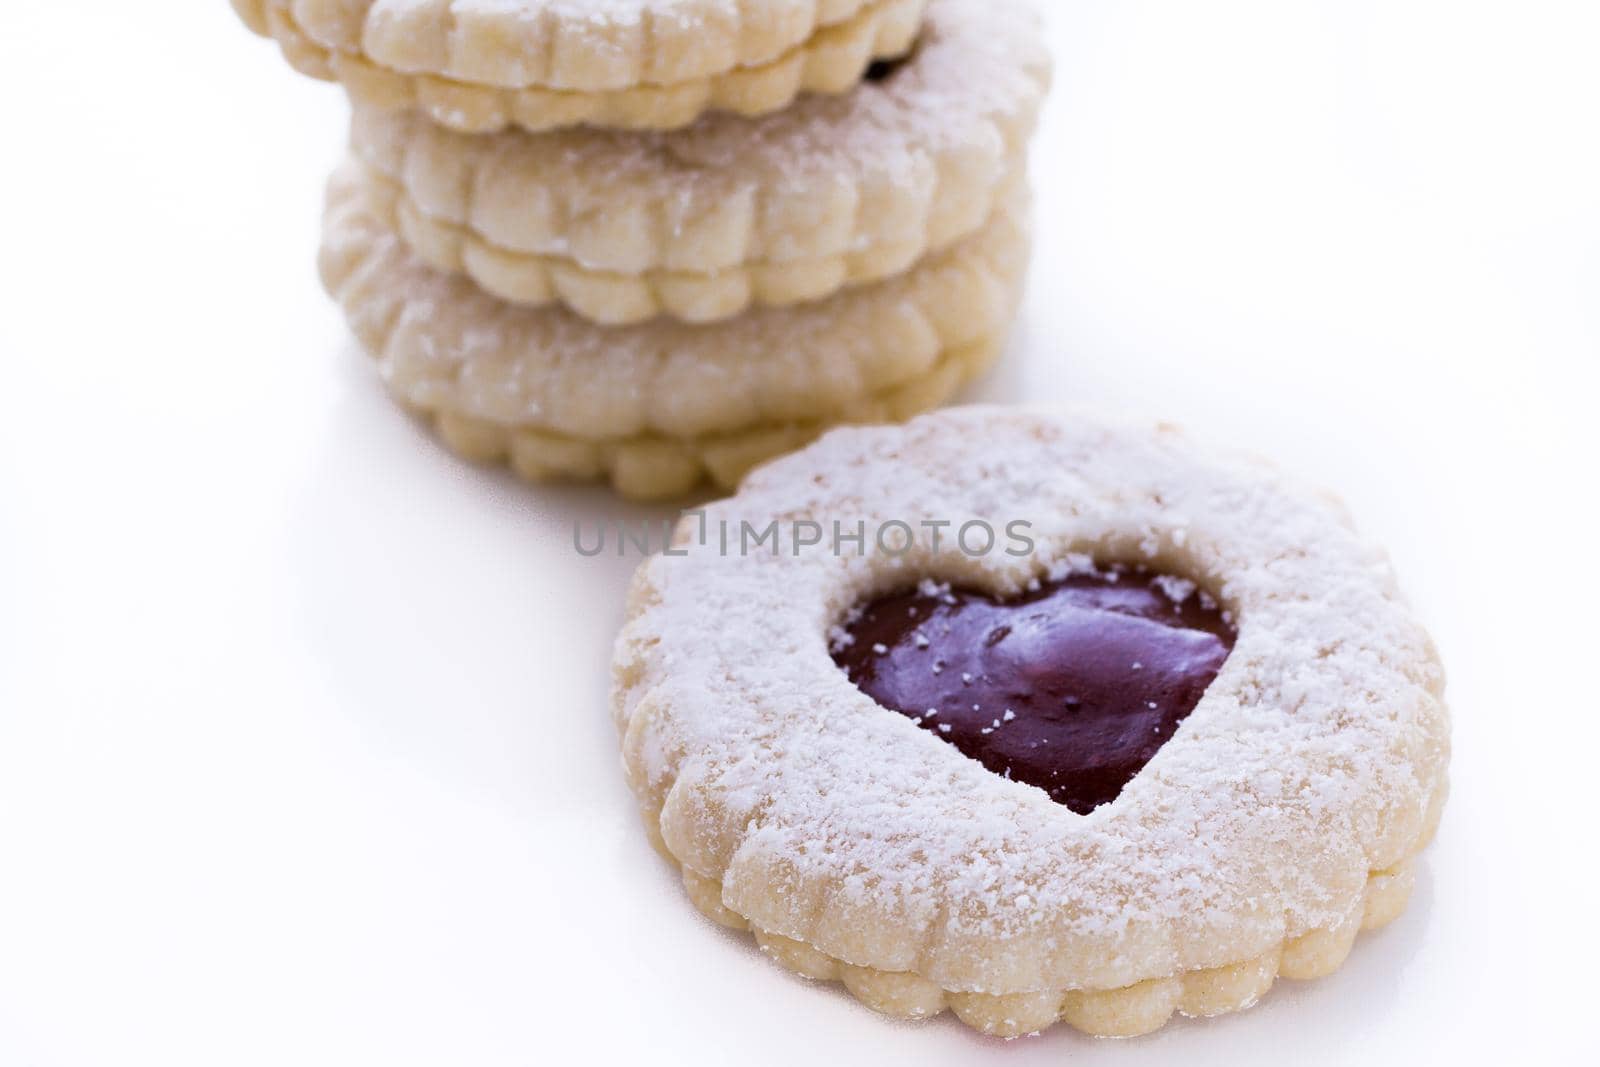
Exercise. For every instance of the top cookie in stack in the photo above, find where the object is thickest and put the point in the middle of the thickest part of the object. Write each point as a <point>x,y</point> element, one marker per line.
<point>665,306</point>
<point>482,65</point>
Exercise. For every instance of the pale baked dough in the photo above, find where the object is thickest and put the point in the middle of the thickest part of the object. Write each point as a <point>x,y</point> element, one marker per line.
<point>659,407</point>
<point>540,64</point>
<point>1283,816</point>
<point>863,183</point>
<point>611,298</point>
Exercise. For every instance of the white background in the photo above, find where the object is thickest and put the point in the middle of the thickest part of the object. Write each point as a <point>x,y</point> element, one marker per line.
<point>303,751</point>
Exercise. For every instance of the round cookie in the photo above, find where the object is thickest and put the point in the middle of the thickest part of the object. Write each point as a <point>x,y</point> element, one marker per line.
<point>542,64</point>
<point>702,223</point>
<point>657,408</point>
<point>611,298</point>
<point>1280,763</point>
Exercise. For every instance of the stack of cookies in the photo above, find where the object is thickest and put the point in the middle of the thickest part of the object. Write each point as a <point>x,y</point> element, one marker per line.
<point>660,241</point>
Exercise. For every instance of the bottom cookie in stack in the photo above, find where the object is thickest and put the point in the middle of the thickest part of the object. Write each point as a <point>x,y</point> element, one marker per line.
<point>661,407</point>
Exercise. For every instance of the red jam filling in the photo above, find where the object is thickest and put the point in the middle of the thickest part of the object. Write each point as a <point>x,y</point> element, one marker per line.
<point>1072,688</point>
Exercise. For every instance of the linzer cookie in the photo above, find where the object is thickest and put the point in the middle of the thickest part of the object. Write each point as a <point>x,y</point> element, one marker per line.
<point>1033,718</point>
<point>703,223</point>
<point>659,407</point>
<point>483,65</point>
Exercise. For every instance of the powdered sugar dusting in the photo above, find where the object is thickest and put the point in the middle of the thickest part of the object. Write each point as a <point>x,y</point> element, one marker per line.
<point>1174,588</point>
<point>601,12</point>
<point>973,86</point>
<point>1309,762</point>
<point>458,349</point>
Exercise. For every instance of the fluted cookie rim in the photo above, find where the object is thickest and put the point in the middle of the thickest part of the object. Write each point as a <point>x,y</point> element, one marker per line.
<point>609,298</point>
<point>832,60</point>
<point>1123,1012</point>
<point>912,160</point>
<point>656,468</point>
<point>940,326</point>
<point>1279,825</point>
<point>552,44</point>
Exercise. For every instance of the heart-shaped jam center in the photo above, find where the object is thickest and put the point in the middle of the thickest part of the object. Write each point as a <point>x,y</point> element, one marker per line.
<point>1071,688</point>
